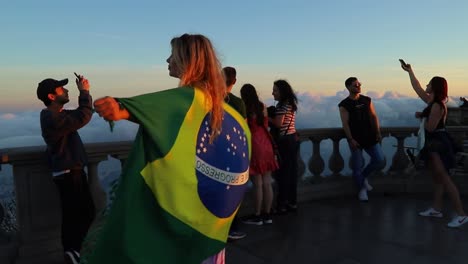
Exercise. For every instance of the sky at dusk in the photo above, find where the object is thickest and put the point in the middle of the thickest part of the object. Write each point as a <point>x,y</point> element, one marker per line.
<point>122,47</point>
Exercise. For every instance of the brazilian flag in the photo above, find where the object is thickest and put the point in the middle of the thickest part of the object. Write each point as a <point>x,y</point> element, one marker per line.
<point>178,193</point>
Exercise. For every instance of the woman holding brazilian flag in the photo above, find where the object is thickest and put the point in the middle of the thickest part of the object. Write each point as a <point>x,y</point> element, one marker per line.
<point>186,174</point>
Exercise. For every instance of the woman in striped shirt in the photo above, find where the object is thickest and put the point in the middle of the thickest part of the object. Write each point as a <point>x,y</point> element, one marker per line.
<point>284,120</point>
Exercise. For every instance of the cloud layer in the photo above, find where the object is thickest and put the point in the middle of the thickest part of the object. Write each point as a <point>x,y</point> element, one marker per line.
<point>315,111</point>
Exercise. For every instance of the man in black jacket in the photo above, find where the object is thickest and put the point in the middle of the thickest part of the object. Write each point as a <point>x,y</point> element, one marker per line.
<point>67,158</point>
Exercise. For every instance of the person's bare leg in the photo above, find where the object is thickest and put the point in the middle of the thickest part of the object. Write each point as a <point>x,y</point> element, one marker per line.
<point>447,183</point>
<point>438,186</point>
<point>258,185</point>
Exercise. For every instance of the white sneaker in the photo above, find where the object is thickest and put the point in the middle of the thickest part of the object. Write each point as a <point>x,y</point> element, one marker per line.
<point>368,186</point>
<point>70,258</point>
<point>363,195</point>
<point>458,221</point>
<point>431,212</point>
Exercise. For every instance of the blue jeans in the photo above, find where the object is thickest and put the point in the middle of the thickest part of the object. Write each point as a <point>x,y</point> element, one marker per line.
<point>357,163</point>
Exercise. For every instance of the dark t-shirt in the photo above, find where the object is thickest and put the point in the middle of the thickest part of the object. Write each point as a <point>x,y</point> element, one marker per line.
<point>360,122</point>
<point>236,103</point>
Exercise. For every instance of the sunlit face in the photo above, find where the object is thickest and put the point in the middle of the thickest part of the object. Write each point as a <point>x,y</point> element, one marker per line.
<point>174,69</point>
<point>430,91</point>
<point>276,93</point>
<point>429,88</point>
<point>61,95</point>
<point>355,87</point>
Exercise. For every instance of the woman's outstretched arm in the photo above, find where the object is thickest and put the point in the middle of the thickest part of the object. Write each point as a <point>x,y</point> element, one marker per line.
<point>415,83</point>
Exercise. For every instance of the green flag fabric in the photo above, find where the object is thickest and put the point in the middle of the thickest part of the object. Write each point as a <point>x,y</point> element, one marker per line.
<point>178,193</point>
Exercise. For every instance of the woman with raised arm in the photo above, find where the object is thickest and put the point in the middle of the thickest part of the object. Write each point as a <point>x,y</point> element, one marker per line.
<point>438,151</point>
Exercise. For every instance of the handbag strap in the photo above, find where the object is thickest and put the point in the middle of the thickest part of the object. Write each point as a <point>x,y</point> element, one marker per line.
<point>290,122</point>
<point>289,125</point>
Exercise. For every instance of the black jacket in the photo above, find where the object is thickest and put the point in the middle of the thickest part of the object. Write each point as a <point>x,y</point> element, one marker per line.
<point>60,132</point>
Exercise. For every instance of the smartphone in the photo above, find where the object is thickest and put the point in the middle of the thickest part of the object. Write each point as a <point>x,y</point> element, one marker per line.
<point>403,63</point>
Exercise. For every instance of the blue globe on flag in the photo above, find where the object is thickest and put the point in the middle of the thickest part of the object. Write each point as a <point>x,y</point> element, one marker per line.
<point>222,167</point>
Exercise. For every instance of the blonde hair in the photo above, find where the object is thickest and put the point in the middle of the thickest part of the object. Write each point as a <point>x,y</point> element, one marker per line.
<point>200,67</point>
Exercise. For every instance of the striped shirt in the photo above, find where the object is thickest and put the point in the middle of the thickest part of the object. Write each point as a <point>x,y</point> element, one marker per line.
<point>288,126</point>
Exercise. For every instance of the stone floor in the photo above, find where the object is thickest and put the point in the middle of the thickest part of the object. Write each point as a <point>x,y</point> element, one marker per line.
<point>344,231</point>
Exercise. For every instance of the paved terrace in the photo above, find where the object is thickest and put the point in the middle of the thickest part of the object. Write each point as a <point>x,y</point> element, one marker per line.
<point>345,231</point>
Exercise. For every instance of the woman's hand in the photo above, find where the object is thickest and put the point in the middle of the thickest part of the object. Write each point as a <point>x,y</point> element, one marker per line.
<point>414,82</point>
<point>109,109</point>
<point>406,67</point>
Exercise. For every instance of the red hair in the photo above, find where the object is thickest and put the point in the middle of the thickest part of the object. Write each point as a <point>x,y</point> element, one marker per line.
<point>200,67</point>
<point>439,88</point>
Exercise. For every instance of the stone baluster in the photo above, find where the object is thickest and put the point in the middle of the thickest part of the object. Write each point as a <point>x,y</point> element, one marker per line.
<point>384,160</point>
<point>95,187</point>
<point>300,163</point>
<point>122,157</point>
<point>459,135</point>
<point>336,162</point>
<point>316,163</point>
<point>37,207</point>
<point>98,152</point>
<point>400,160</point>
<point>122,160</point>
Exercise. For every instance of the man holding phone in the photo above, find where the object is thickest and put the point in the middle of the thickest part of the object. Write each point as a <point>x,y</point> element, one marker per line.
<point>67,158</point>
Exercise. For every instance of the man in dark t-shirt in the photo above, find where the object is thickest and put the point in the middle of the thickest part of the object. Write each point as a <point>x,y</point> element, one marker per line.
<point>361,127</point>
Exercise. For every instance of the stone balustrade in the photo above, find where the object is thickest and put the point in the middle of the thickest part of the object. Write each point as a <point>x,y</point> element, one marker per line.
<point>37,202</point>
<point>457,116</point>
<point>38,211</point>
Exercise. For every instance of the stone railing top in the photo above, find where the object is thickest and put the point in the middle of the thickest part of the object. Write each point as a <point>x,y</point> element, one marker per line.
<point>323,133</point>
<point>338,133</point>
<point>120,149</point>
<point>28,154</point>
